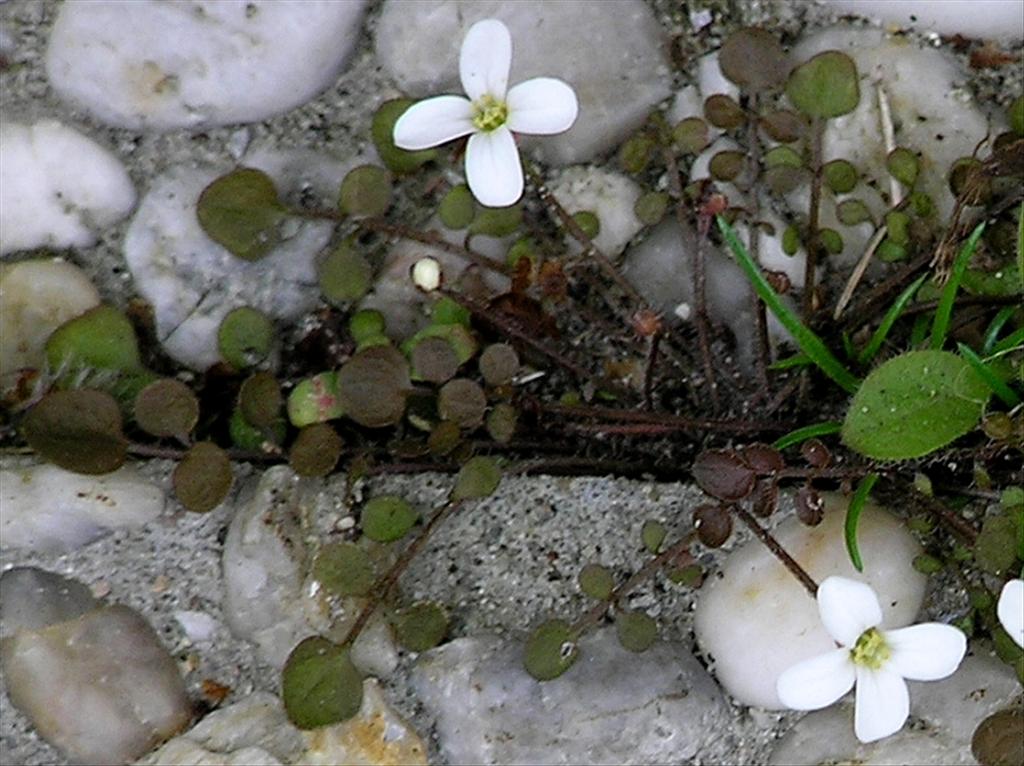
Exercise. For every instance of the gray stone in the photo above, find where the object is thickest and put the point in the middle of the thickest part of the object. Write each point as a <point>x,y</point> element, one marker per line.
<point>612,53</point>
<point>46,508</point>
<point>101,687</point>
<point>32,598</point>
<point>659,706</point>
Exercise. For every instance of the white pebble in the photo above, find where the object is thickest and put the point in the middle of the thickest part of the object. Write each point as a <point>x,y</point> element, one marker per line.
<point>200,627</point>
<point>58,188</point>
<point>756,619</point>
<point>609,195</point>
<point>198,63</point>
<point>37,297</point>
<point>972,18</point>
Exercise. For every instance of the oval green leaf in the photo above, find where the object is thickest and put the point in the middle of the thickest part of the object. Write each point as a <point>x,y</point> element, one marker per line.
<point>827,86</point>
<point>636,631</point>
<point>550,650</point>
<point>344,569</point>
<point>166,407</point>
<point>241,212</point>
<point>203,477</point>
<point>245,337</point>
<point>320,685</point>
<point>420,626</point>
<point>78,430</point>
<point>315,450</point>
<point>479,477</point>
<point>387,518</point>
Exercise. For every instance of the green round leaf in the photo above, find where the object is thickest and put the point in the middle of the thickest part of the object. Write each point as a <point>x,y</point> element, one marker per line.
<point>365,191</point>
<point>245,435</point>
<point>827,86</point>
<point>241,212</point>
<point>840,176</point>
<point>890,252</point>
<point>373,386</point>
<point>366,323</point>
<point>851,212</point>
<point>343,569</point>
<point>650,207</point>
<point>166,407</point>
<point>320,685</point>
<point>914,404</point>
<point>102,337</point>
<point>421,626</point>
<point>652,534</point>
<point>524,247</point>
<point>999,739</point>
<point>782,155</point>
<point>260,399</point>
<point>597,582</point>
<point>345,274</point>
<point>550,650</point>
<point>784,126</point>
<point>315,400</point>
<point>463,402</point>
<point>457,208</point>
<point>479,477</point>
<point>726,165</point>
<point>588,222</point>
<point>245,337</point>
<point>996,548</point>
<point>444,438</point>
<point>903,165</point>
<point>501,422</point>
<point>78,430</point>
<point>434,360</point>
<point>636,631</point>
<point>499,363</point>
<point>315,450</point>
<point>203,477</point>
<point>791,240</point>
<point>753,59</point>
<point>635,153</point>
<point>387,518</point>
<point>832,240</point>
<point>497,221</point>
<point>691,135</point>
<point>782,179</point>
<point>898,225</point>
<point>722,111</point>
<point>382,131</point>
<point>1015,116</point>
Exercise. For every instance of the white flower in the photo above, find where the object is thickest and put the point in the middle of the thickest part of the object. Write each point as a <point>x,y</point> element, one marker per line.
<point>493,111</point>
<point>876,660</point>
<point>1011,610</point>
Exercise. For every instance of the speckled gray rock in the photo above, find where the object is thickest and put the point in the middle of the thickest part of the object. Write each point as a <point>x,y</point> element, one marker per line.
<point>32,598</point>
<point>46,508</point>
<point>199,63</point>
<point>945,715</point>
<point>611,52</point>
<point>100,687</point>
<point>659,706</point>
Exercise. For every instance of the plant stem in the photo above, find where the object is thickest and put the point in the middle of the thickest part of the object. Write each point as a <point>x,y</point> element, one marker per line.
<point>813,238</point>
<point>780,553</point>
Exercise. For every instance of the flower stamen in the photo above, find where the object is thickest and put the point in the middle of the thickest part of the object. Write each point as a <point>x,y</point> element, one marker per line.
<point>871,651</point>
<point>489,113</point>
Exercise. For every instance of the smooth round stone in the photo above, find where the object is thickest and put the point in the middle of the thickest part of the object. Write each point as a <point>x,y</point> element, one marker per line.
<point>612,54</point>
<point>58,188</point>
<point>33,598</point>
<point>755,620</point>
<point>970,18</point>
<point>199,63</point>
<point>610,196</point>
<point>37,297</point>
<point>49,509</point>
<point>192,282</point>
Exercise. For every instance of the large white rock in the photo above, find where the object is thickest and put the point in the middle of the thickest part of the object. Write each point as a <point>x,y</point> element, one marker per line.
<point>754,619</point>
<point>58,188</point>
<point>101,687</point>
<point>609,195</point>
<point>971,18</point>
<point>945,714</point>
<point>192,282</point>
<point>49,509</point>
<point>612,706</point>
<point>154,65</point>
<point>37,297</point>
<point>612,53</point>
<point>33,598</point>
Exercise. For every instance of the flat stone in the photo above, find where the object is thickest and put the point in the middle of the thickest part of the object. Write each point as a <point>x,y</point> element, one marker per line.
<point>615,62</point>
<point>100,687</point>
<point>754,619</point>
<point>612,706</point>
<point>33,598</point>
<point>37,297</point>
<point>1000,19</point>
<point>58,187</point>
<point>49,509</point>
<point>198,64</point>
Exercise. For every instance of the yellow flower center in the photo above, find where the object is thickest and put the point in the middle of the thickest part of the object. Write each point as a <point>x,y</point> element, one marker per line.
<point>871,651</point>
<point>489,113</point>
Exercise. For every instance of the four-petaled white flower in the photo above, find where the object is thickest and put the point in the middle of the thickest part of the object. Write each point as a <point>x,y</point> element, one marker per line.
<point>876,660</point>
<point>1011,610</point>
<point>493,111</point>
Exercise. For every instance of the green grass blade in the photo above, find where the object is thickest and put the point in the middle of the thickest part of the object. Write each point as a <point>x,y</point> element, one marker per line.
<point>1020,244</point>
<point>999,388</point>
<point>797,360</point>
<point>944,311</point>
<point>992,334</point>
<point>1011,341</point>
<point>889,320</point>
<point>807,432</point>
<point>805,338</point>
<point>853,519</point>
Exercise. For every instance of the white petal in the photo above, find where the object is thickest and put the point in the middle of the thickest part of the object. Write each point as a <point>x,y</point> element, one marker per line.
<point>493,171</point>
<point>542,106</point>
<point>883,704</point>
<point>817,682</point>
<point>485,59</point>
<point>925,652</point>
<point>433,122</point>
<point>847,608</point>
<point>1011,609</point>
